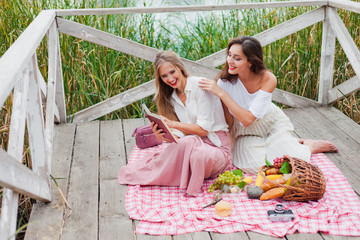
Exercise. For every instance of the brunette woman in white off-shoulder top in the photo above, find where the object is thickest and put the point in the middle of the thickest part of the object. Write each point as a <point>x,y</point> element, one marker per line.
<point>258,127</point>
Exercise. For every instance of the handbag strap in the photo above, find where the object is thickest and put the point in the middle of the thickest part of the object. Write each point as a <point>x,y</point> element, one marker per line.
<point>136,129</point>
<point>134,132</point>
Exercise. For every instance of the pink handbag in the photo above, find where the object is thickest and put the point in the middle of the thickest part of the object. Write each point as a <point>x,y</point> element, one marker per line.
<point>145,137</point>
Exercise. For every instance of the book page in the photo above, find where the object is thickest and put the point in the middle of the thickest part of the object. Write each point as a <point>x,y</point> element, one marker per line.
<point>161,124</point>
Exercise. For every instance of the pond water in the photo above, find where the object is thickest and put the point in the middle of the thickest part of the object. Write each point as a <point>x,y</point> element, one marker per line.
<point>176,21</point>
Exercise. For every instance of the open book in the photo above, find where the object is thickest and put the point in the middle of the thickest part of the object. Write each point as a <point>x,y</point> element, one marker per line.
<point>161,124</point>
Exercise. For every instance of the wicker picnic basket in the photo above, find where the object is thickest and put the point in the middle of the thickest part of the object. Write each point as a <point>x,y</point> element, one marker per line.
<point>307,181</point>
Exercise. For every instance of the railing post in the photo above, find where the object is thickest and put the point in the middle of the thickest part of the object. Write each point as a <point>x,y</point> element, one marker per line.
<point>60,95</point>
<point>35,124</point>
<point>51,83</point>
<point>10,199</point>
<point>327,60</point>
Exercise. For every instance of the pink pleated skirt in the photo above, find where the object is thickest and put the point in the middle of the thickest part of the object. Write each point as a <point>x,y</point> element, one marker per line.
<point>184,164</point>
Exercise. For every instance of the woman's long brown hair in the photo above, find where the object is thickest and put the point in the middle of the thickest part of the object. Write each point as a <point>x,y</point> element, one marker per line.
<point>164,91</point>
<point>252,50</point>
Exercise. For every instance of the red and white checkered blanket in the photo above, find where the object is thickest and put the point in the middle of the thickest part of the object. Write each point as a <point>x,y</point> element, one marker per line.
<point>169,211</point>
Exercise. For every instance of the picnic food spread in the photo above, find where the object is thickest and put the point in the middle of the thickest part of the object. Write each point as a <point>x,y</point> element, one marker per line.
<point>254,192</point>
<point>336,213</point>
<point>271,178</point>
<point>300,181</point>
<point>287,178</point>
<point>228,178</point>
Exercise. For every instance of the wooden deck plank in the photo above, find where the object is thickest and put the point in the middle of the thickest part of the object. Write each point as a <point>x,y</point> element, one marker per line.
<point>230,236</point>
<point>46,220</point>
<point>194,236</point>
<point>117,225</point>
<point>112,149</point>
<point>308,129</point>
<point>149,237</point>
<point>259,236</point>
<point>334,237</point>
<point>309,123</point>
<point>341,159</point>
<point>301,132</point>
<point>322,128</point>
<point>114,222</point>
<point>101,148</point>
<point>349,146</point>
<point>304,236</point>
<point>346,124</point>
<point>129,125</point>
<point>83,189</point>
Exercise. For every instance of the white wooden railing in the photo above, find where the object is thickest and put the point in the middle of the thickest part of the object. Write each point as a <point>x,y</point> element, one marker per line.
<point>19,73</point>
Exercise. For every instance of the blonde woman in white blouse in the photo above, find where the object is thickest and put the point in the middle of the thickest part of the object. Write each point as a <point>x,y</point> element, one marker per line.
<point>258,127</point>
<point>203,149</point>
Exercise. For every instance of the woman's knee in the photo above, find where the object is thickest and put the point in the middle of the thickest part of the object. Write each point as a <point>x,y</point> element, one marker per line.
<point>189,140</point>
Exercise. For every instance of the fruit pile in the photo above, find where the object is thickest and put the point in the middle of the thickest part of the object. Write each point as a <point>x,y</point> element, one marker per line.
<point>281,164</point>
<point>278,172</point>
<point>277,162</point>
<point>227,178</point>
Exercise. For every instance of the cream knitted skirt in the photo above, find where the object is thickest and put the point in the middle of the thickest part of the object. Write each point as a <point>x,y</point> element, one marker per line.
<point>271,136</point>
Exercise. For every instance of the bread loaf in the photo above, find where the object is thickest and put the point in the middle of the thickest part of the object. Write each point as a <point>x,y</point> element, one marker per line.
<point>223,209</point>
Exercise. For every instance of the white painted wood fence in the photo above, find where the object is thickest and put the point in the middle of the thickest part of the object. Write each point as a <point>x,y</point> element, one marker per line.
<point>19,72</point>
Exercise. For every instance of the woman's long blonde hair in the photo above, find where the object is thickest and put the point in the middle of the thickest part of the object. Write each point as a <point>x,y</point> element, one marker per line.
<point>164,91</point>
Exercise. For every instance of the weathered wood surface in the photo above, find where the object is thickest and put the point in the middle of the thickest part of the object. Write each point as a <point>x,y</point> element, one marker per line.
<point>191,8</point>
<point>35,125</point>
<point>60,94</point>
<point>351,51</point>
<point>101,148</point>
<point>114,222</point>
<point>47,220</point>
<point>83,192</point>
<point>16,58</point>
<point>345,39</point>
<point>52,38</point>
<point>329,124</point>
<point>327,60</point>
<point>29,183</point>
<point>347,5</point>
<point>15,149</point>
<point>344,89</point>
<point>292,100</point>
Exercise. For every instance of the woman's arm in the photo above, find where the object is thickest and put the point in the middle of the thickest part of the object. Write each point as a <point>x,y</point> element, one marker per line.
<point>244,116</point>
<point>186,128</point>
<point>228,117</point>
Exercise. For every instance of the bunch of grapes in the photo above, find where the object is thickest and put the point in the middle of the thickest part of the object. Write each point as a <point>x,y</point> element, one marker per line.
<point>278,161</point>
<point>227,178</point>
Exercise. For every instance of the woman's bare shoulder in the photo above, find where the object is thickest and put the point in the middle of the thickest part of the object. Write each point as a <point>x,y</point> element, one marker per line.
<point>269,81</point>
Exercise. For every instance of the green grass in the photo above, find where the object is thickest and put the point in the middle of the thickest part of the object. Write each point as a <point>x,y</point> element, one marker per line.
<point>94,73</point>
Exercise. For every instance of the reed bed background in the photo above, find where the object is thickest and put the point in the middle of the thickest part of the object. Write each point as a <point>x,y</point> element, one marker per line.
<point>93,73</point>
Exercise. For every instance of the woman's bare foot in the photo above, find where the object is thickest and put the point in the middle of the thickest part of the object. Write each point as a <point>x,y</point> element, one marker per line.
<point>318,146</point>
